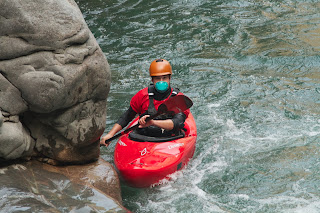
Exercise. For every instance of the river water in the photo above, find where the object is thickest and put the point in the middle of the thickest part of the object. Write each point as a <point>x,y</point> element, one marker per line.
<point>251,68</point>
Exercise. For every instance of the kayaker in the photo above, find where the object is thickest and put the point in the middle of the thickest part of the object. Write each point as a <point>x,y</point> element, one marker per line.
<point>146,102</point>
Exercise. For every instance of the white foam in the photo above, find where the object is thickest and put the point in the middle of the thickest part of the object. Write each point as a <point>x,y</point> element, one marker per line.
<point>215,105</point>
<point>313,207</point>
<point>233,129</point>
<point>240,196</point>
<point>313,133</point>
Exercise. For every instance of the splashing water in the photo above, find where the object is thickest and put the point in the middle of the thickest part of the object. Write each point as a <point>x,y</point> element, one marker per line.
<point>251,68</point>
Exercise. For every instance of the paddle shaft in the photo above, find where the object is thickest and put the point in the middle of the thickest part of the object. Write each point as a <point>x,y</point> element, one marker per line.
<point>175,104</point>
<point>131,128</point>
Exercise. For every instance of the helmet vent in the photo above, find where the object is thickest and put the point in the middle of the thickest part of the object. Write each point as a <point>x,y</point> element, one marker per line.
<point>159,60</point>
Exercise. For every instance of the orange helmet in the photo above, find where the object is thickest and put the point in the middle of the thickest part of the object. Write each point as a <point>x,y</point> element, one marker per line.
<point>160,67</point>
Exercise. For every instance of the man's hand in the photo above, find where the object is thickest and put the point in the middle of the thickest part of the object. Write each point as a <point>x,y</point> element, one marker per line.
<point>104,138</point>
<point>143,123</point>
<point>116,128</point>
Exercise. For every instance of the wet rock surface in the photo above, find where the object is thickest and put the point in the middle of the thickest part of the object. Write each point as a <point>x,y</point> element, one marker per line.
<point>38,187</point>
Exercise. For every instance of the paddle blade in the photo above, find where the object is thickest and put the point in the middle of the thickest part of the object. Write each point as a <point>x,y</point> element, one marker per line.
<point>176,104</point>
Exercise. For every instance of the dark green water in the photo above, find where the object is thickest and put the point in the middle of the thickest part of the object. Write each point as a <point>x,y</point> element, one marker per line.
<point>252,69</point>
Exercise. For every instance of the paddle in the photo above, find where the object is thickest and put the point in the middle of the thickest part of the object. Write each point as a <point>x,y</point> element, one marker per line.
<point>176,104</point>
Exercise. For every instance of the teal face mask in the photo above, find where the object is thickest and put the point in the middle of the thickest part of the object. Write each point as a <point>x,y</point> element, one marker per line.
<point>161,86</point>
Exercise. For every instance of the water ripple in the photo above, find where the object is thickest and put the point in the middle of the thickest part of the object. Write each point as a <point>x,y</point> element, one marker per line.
<point>252,69</point>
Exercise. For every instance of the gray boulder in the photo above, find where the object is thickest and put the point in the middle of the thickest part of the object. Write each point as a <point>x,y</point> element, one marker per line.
<point>54,82</point>
<point>1,121</point>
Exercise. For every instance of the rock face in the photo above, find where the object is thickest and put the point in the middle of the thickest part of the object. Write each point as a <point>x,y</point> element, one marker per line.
<point>54,81</point>
<point>38,187</point>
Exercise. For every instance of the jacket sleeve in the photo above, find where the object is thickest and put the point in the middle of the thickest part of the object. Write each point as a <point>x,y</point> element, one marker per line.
<point>178,120</point>
<point>126,117</point>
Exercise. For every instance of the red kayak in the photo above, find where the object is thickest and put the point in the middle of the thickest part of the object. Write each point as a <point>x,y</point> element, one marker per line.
<point>146,161</point>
